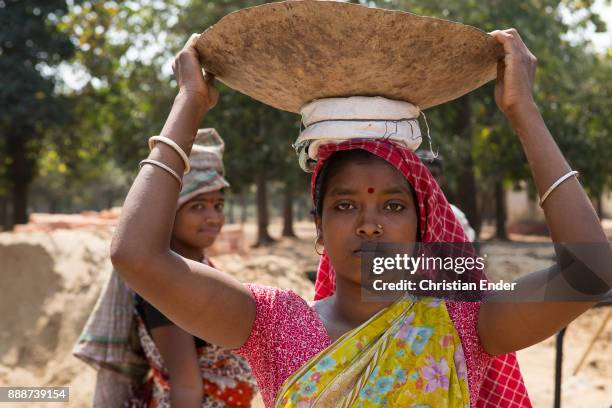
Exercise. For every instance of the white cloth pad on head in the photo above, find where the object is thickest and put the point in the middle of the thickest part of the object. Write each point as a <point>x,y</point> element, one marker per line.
<point>334,120</point>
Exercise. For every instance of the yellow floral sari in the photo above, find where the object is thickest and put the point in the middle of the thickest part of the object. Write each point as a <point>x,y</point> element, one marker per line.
<point>407,355</point>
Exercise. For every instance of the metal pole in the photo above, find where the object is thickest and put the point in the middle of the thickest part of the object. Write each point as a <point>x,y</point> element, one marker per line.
<point>558,367</point>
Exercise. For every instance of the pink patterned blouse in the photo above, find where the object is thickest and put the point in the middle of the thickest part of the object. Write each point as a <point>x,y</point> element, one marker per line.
<point>287,332</point>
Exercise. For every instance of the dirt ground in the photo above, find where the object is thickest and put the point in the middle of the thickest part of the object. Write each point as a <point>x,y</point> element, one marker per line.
<point>50,281</point>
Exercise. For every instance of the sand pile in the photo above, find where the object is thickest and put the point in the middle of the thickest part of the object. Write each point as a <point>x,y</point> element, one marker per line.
<point>592,386</point>
<point>50,282</point>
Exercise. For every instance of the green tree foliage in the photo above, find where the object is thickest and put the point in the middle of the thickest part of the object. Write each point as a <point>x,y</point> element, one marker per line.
<point>127,96</point>
<point>124,47</point>
<point>119,98</point>
<point>87,136</point>
<point>570,90</point>
<point>30,44</point>
<point>258,137</point>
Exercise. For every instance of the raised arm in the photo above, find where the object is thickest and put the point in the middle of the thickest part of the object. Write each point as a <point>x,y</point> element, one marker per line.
<point>506,326</point>
<point>200,299</point>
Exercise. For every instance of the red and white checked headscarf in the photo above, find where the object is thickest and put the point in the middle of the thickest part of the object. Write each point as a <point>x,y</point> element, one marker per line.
<point>502,383</point>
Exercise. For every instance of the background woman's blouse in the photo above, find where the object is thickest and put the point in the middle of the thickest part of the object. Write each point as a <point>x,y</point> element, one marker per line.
<point>287,332</point>
<point>153,318</point>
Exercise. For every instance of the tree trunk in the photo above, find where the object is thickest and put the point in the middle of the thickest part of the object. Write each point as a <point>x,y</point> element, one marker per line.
<point>288,210</point>
<point>110,199</point>
<point>20,203</point>
<point>303,210</point>
<point>243,207</point>
<point>230,210</point>
<point>466,199</point>
<point>53,204</point>
<point>501,213</point>
<point>4,213</point>
<point>20,173</point>
<point>599,204</point>
<point>263,237</point>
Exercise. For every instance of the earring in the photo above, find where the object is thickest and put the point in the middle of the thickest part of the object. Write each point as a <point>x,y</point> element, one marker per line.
<point>316,248</point>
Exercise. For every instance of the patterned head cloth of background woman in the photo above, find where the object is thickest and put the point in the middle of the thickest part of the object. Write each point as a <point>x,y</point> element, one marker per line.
<point>207,171</point>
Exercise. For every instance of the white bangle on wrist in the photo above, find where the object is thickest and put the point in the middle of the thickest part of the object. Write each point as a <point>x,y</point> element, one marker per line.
<point>164,167</point>
<point>556,184</point>
<point>167,141</point>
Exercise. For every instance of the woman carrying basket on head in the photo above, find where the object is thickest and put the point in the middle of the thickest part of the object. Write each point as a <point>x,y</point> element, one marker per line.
<point>343,351</point>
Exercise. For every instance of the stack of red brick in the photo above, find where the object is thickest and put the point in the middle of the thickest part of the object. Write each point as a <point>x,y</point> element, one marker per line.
<point>86,219</point>
<point>231,239</point>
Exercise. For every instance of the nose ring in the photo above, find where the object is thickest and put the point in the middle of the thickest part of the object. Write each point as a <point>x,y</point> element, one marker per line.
<point>380,227</point>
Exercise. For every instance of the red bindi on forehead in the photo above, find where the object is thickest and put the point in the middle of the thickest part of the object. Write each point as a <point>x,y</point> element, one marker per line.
<point>370,190</point>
